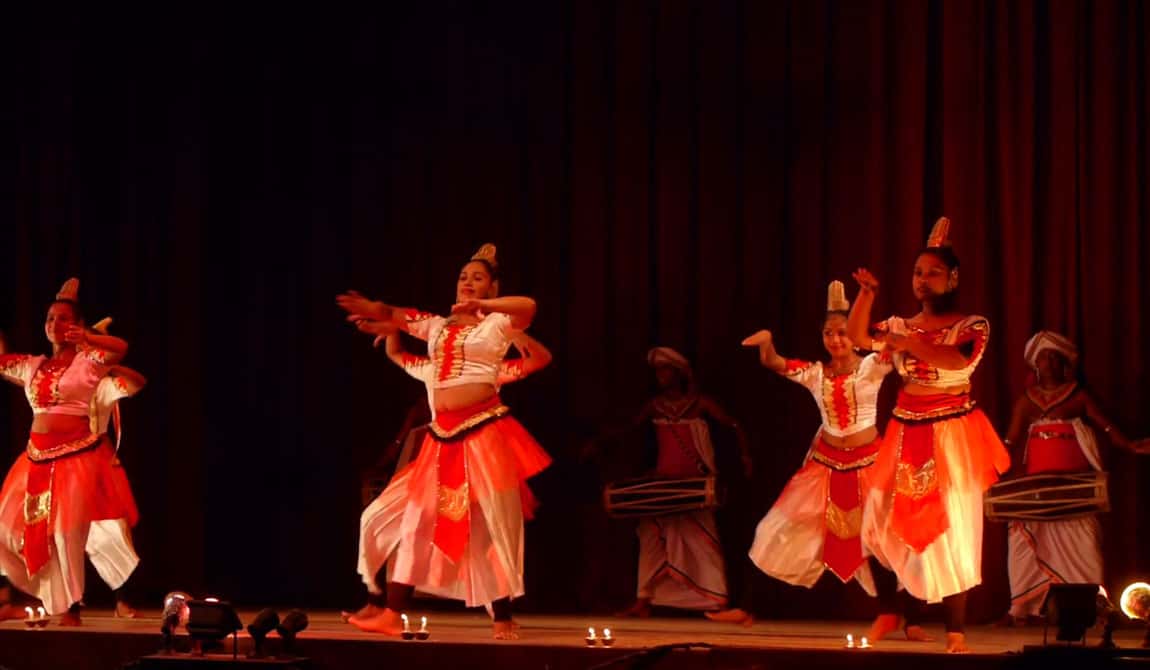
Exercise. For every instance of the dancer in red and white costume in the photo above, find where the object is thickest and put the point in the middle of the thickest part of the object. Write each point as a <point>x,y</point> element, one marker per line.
<point>1052,422</point>
<point>461,531</point>
<point>67,478</point>
<point>380,523</point>
<point>923,516</point>
<point>816,523</point>
<point>109,545</point>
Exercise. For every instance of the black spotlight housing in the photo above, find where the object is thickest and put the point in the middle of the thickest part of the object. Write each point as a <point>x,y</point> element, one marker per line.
<point>265,622</point>
<point>293,622</point>
<point>211,620</point>
<point>1072,609</point>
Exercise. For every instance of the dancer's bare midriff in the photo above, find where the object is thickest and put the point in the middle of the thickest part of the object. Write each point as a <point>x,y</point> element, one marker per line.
<point>919,389</point>
<point>58,423</point>
<point>863,437</point>
<point>463,396</point>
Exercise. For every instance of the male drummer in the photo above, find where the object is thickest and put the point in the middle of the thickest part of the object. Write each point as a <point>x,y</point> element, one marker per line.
<point>1049,433</point>
<point>680,557</point>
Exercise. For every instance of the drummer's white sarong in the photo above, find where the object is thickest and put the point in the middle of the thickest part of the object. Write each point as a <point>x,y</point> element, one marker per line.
<point>681,561</point>
<point>1051,552</point>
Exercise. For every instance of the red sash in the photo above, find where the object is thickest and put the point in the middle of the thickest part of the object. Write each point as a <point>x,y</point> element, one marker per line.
<point>842,546</point>
<point>38,495</point>
<point>453,517</point>
<point>918,515</point>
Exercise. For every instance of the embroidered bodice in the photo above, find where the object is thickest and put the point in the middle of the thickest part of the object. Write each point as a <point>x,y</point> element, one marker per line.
<point>973,330</point>
<point>423,369</point>
<point>848,402</point>
<point>462,353</point>
<point>57,389</point>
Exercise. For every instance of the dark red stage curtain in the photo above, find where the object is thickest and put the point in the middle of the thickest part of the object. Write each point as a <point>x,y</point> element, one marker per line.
<point>677,173</point>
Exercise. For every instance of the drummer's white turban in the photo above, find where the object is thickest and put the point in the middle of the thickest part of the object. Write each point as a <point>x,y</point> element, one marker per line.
<point>1048,339</point>
<point>668,356</point>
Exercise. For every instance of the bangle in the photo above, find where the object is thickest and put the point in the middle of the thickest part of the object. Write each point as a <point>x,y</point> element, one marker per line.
<point>1007,441</point>
<point>1109,428</point>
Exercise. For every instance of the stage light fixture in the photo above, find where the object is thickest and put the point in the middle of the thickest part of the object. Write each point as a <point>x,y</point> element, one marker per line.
<point>1072,609</point>
<point>1135,603</point>
<point>210,620</point>
<point>265,622</point>
<point>175,612</point>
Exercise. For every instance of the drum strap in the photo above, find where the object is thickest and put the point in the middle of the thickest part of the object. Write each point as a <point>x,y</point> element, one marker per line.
<point>688,447</point>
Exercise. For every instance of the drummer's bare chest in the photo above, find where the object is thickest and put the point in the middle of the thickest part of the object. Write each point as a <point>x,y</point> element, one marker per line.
<point>1073,407</point>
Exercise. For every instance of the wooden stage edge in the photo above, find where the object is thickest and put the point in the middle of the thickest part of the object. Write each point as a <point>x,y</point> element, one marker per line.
<point>553,642</point>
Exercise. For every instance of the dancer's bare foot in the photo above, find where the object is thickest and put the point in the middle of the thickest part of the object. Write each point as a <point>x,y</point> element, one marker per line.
<point>917,634</point>
<point>70,618</point>
<point>505,630</point>
<point>124,610</point>
<point>884,624</point>
<point>736,615</point>
<point>640,608</point>
<point>7,609</point>
<point>956,643</point>
<point>387,622</point>
<point>10,611</point>
<point>366,612</point>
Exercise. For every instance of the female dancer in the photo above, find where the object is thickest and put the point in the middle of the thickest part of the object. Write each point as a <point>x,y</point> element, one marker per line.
<point>109,543</point>
<point>67,477</point>
<point>817,520</point>
<point>462,518</point>
<point>923,515</point>
<point>379,525</point>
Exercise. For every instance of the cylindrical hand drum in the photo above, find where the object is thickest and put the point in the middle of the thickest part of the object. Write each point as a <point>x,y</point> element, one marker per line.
<point>1048,497</point>
<point>649,496</point>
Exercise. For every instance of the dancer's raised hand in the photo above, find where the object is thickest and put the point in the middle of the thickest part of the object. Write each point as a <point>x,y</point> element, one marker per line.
<point>866,280</point>
<point>761,338</point>
<point>360,307</point>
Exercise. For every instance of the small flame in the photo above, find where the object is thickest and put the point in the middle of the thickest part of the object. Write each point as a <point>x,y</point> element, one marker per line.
<point>590,632</point>
<point>607,633</point>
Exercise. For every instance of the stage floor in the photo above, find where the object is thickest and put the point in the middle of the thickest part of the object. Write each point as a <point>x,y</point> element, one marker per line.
<point>464,640</point>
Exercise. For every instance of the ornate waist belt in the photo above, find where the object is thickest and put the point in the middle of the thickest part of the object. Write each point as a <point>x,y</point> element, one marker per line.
<point>846,458</point>
<point>928,408</point>
<point>50,446</point>
<point>453,425</point>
